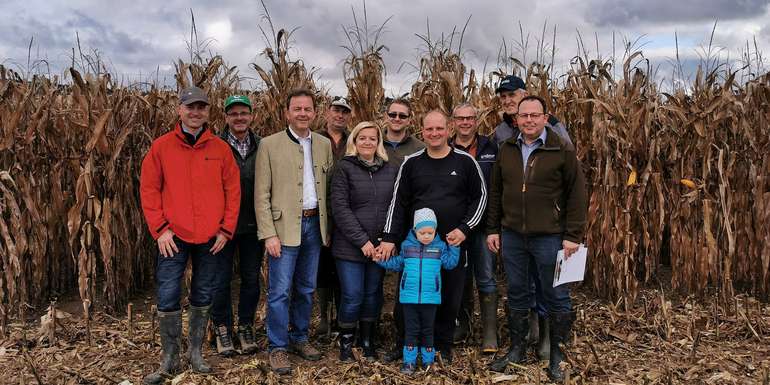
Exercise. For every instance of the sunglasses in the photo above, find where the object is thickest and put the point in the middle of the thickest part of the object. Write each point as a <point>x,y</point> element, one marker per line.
<point>394,115</point>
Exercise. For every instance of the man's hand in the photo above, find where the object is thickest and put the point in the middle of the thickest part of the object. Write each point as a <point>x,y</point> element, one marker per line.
<point>384,251</point>
<point>166,244</point>
<point>569,248</point>
<point>369,250</point>
<point>493,242</point>
<point>455,237</point>
<point>273,246</point>
<point>219,244</point>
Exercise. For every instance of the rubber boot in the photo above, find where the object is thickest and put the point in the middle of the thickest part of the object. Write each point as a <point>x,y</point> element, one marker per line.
<point>366,330</point>
<point>518,323</point>
<point>534,327</point>
<point>170,324</point>
<point>410,360</point>
<point>560,326</point>
<point>347,337</point>
<point>544,341</point>
<point>428,356</point>
<point>324,297</point>
<point>199,318</point>
<point>488,305</point>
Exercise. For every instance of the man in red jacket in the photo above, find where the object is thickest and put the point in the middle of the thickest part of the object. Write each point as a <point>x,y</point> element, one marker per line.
<point>190,191</point>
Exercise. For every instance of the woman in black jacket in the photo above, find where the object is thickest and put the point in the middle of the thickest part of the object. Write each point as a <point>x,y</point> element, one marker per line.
<point>362,187</point>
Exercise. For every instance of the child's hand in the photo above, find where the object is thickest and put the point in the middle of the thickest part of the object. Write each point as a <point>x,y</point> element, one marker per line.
<point>384,251</point>
<point>455,237</point>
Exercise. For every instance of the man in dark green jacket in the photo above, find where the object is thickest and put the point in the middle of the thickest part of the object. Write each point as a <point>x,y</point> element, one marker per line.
<point>244,143</point>
<point>537,206</point>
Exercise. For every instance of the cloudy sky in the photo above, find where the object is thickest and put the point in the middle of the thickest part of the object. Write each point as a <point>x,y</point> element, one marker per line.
<point>141,37</point>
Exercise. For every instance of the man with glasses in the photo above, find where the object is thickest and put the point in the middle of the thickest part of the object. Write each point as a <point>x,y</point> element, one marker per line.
<point>244,144</point>
<point>328,285</point>
<point>481,262</point>
<point>511,91</point>
<point>537,206</point>
<point>398,142</point>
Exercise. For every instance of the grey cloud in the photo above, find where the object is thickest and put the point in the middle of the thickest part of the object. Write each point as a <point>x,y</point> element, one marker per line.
<point>623,13</point>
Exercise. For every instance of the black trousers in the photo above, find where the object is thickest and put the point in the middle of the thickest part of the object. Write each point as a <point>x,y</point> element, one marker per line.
<point>451,299</point>
<point>327,272</point>
<point>418,322</point>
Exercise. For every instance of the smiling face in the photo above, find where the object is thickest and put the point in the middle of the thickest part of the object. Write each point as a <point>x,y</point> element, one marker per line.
<point>425,235</point>
<point>509,100</point>
<point>194,115</point>
<point>366,142</point>
<point>398,117</point>
<point>238,118</point>
<point>464,121</point>
<point>531,119</point>
<point>300,113</point>
<point>434,130</point>
<point>337,118</point>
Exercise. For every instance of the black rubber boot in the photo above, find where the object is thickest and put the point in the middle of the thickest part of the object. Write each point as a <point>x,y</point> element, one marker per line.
<point>488,305</point>
<point>198,319</point>
<point>518,325</point>
<point>324,298</point>
<point>366,328</point>
<point>170,324</point>
<point>347,337</point>
<point>560,326</point>
<point>534,327</point>
<point>544,341</point>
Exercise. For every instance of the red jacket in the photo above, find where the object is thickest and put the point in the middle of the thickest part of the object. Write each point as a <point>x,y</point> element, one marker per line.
<point>194,190</point>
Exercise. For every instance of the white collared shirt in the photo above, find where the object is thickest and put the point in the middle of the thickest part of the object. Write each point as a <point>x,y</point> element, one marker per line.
<point>309,197</point>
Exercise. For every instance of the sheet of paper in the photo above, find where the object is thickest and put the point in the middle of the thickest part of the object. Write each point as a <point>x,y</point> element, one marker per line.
<point>571,270</point>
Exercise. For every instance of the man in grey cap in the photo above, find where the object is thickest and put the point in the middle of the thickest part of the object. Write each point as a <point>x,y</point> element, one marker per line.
<point>328,285</point>
<point>190,193</point>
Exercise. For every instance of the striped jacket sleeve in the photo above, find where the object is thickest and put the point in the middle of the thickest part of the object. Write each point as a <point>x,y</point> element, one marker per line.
<point>477,195</point>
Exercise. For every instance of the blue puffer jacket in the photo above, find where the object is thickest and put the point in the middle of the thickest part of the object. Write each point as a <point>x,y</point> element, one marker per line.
<point>421,281</point>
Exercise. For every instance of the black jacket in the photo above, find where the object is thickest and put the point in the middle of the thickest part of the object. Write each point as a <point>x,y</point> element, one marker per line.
<point>360,196</point>
<point>247,219</point>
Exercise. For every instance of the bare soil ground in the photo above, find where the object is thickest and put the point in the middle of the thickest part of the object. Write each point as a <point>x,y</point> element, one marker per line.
<point>663,339</point>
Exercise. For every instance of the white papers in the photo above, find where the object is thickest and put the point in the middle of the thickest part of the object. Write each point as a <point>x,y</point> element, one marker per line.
<point>572,269</point>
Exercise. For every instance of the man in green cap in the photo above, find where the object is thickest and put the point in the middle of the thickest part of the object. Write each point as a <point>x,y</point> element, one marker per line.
<point>244,143</point>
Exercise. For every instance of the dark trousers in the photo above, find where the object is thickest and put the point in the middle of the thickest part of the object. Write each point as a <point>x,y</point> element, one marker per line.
<point>451,299</point>
<point>170,270</point>
<point>418,324</point>
<point>327,271</point>
<point>250,252</point>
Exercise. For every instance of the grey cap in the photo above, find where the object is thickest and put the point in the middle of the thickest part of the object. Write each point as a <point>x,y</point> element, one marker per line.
<point>339,101</point>
<point>191,95</point>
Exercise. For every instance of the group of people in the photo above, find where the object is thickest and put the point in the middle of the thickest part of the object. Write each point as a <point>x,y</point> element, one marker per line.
<point>332,210</point>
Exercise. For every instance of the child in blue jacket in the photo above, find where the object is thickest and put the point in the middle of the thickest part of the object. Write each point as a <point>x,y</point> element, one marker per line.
<point>422,256</point>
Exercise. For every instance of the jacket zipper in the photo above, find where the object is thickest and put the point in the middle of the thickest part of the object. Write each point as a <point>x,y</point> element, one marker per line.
<point>374,187</point>
<point>419,287</point>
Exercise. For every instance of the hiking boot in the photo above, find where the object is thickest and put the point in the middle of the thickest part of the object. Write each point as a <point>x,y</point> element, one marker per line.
<point>224,341</point>
<point>198,319</point>
<point>544,341</point>
<point>560,326</point>
<point>170,324</point>
<point>488,305</point>
<point>347,336</point>
<point>366,331</point>
<point>246,338</point>
<point>518,323</point>
<point>279,362</point>
<point>410,360</point>
<point>305,350</point>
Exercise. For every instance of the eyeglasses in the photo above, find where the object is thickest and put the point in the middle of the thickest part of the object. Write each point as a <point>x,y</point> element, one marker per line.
<point>394,115</point>
<point>464,118</point>
<point>533,115</point>
<point>239,114</point>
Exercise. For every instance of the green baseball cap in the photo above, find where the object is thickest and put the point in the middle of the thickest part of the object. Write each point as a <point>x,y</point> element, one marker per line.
<point>237,99</point>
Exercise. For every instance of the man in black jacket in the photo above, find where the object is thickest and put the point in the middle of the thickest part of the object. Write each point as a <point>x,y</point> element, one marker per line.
<point>481,261</point>
<point>244,143</point>
<point>449,182</point>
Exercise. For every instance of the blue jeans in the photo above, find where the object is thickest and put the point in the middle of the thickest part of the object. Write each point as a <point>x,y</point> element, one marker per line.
<point>250,261</point>
<point>170,270</point>
<point>517,251</point>
<point>481,261</point>
<point>361,287</point>
<point>291,283</point>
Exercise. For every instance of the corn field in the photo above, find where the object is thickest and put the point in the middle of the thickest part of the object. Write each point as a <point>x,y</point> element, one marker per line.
<point>676,179</point>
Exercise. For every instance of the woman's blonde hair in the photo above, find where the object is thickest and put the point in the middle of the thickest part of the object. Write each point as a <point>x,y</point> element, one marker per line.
<point>350,149</point>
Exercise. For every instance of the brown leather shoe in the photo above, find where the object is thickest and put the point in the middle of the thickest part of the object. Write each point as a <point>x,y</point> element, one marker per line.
<point>279,362</point>
<point>305,350</point>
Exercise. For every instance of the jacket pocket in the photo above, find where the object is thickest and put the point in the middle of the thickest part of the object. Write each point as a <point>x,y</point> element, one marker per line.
<point>403,280</point>
<point>276,214</point>
<point>437,278</point>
